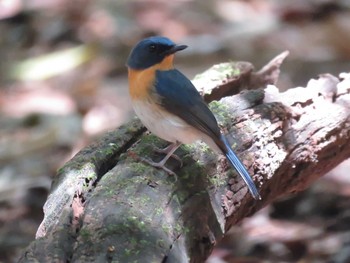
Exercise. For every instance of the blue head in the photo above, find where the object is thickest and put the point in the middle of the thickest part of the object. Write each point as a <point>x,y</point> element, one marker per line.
<point>151,51</point>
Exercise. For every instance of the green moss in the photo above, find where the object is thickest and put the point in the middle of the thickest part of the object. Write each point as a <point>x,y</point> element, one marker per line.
<point>85,234</point>
<point>188,147</point>
<point>128,252</point>
<point>146,148</point>
<point>216,181</point>
<point>182,195</point>
<point>140,168</point>
<point>220,71</point>
<point>60,170</point>
<point>159,211</point>
<point>134,223</point>
<point>132,129</point>
<point>178,228</point>
<point>226,70</point>
<point>221,112</point>
<point>204,148</point>
<point>161,243</point>
<point>133,241</point>
<point>123,156</point>
<point>234,70</point>
<point>186,230</point>
<point>111,149</point>
<point>191,172</point>
<point>142,200</point>
<point>166,228</point>
<point>144,242</point>
<point>109,192</point>
<point>199,193</point>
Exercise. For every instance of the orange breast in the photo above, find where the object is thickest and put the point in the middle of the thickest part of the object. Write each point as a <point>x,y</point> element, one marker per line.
<point>142,81</point>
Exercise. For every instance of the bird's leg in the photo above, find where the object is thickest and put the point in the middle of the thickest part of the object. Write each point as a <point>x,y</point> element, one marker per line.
<point>172,148</point>
<point>166,150</point>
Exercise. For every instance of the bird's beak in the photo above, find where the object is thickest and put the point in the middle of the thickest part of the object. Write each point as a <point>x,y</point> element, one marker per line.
<point>174,49</point>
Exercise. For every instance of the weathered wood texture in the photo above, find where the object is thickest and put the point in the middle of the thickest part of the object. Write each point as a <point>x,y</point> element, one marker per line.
<point>106,206</point>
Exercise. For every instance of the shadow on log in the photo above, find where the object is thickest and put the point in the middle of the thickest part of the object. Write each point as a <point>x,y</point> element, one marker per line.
<point>106,206</point>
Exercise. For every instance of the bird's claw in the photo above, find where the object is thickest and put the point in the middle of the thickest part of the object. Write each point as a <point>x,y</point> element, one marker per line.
<point>166,150</point>
<point>159,165</point>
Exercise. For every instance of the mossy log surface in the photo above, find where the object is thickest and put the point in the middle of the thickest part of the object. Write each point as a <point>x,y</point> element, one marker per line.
<point>107,206</point>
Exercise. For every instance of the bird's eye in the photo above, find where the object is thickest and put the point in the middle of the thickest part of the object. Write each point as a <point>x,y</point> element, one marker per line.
<point>152,48</point>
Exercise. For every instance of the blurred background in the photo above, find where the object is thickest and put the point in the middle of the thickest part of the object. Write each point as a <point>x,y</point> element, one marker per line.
<point>63,83</point>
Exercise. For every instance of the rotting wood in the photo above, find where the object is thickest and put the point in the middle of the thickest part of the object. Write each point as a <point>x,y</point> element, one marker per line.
<point>106,206</point>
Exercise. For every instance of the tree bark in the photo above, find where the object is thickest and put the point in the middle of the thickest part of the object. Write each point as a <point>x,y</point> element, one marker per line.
<point>107,206</point>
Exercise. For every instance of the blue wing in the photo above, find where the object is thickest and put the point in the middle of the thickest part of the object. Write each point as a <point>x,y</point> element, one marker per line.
<point>180,97</point>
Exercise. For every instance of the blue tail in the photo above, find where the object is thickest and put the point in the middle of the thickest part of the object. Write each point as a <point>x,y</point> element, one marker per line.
<point>239,167</point>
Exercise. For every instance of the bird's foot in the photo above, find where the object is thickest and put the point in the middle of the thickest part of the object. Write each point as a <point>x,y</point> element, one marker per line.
<point>169,153</point>
<point>168,149</point>
<point>159,165</point>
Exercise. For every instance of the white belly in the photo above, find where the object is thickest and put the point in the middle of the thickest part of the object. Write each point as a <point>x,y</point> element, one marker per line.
<point>165,125</point>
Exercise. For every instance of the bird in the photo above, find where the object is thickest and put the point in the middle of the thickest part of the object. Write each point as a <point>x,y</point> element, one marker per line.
<point>168,104</point>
